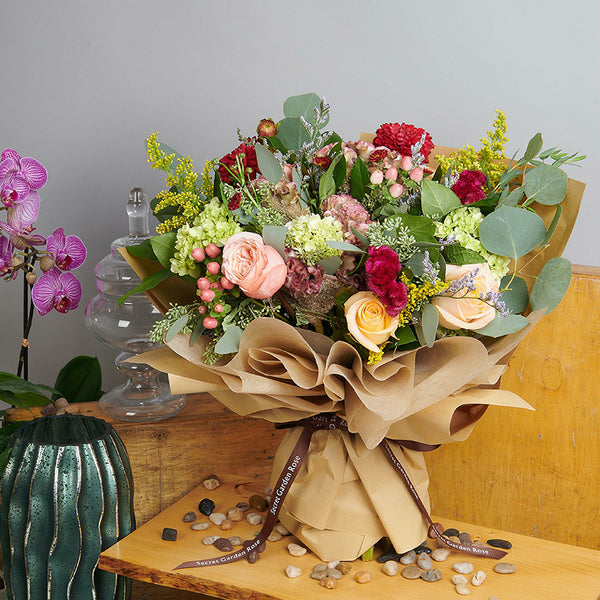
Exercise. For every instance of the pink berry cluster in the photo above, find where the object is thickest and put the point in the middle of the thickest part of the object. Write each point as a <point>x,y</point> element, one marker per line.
<point>212,285</point>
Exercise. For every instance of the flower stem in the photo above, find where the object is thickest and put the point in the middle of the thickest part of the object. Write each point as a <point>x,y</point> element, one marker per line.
<point>23,366</point>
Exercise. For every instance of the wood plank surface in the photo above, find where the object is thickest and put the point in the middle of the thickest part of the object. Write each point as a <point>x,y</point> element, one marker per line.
<point>536,473</point>
<point>545,570</point>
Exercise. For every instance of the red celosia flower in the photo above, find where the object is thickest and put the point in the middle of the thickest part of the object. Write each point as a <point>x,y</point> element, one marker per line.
<point>322,161</point>
<point>401,137</point>
<point>229,163</point>
<point>469,186</point>
<point>382,268</point>
<point>234,202</point>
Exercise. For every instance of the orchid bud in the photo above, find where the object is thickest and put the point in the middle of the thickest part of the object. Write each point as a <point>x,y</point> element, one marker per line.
<point>207,295</point>
<point>396,190</point>
<point>416,174</point>
<point>213,250</point>
<point>266,128</point>
<point>376,177</point>
<point>203,283</point>
<point>198,254</point>
<point>46,263</point>
<point>406,163</point>
<point>209,322</point>
<point>213,268</point>
<point>31,277</point>
<point>16,261</point>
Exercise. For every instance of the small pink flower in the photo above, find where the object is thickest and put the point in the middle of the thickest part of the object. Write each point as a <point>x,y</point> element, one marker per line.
<point>61,291</point>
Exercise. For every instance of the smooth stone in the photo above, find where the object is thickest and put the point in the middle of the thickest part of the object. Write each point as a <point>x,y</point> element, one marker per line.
<point>409,558</point>
<point>223,544</point>
<point>424,561</point>
<point>422,548</point>
<point>206,506</point>
<point>332,564</point>
<point>440,554</point>
<point>209,540</point>
<point>258,503</point>
<point>282,529</point>
<point>328,582</point>
<point>411,572</point>
<point>243,506</point>
<point>320,567</point>
<point>252,556</point>
<point>456,579</point>
<point>390,568</point>
<point>432,575</point>
<point>216,518</point>
<point>465,539</point>
<point>292,571</point>
<point>462,589</point>
<point>464,568</point>
<point>211,482</point>
<point>235,514</point>
<point>235,540</point>
<point>389,556</point>
<point>226,525</point>
<point>200,526</point>
<point>500,543</point>
<point>503,567</point>
<point>254,518</point>
<point>478,578</point>
<point>318,575</point>
<point>189,517</point>
<point>274,536</point>
<point>296,549</point>
<point>169,534</point>
<point>362,577</point>
<point>331,572</point>
<point>450,531</point>
<point>344,568</point>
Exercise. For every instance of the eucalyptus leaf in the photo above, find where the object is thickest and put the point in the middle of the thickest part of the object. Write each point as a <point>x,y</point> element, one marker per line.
<point>512,198</point>
<point>331,264</point>
<point>274,235</point>
<point>511,231</point>
<point>292,133</point>
<point>344,246</point>
<point>302,106</point>
<point>534,147</point>
<point>553,224</point>
<point>415,263</point>
<point>501,326</point>
<point>429,323</point>
<point>229,342</point>
<point>437,200</point>
<point>164,247</point>
<point>545,184</point>
<point>80,380</point>
<point>361,237</point>
<point>516,295</point>
<point>551,284</point>
<point>176,327</point>
<point>149,282</point>
<point>269,166</point>
<point>455,254</point>
<point>142,250</point>
<point>199,329</point>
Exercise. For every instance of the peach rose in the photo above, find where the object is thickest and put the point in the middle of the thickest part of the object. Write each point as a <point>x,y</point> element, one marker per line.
<point>368,321</point>
<point>463,310</point>
<point>258,269</point>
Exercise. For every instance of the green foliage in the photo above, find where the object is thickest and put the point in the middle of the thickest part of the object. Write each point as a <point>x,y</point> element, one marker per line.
<point>501,326</point>
<point>269,166</point>
<point>551,284</point>
<point>80,380</point>
<point>437,200</point>
<point>149,282</point>
<point>514,293</point>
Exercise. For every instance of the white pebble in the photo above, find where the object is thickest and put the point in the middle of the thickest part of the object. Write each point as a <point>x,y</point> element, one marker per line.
<point>235,540</point>
<point>254,518</point>
<point>462,589</point>
<point>210,539</point>
<point>463,567</point>
<point>200,526</point>
<point>390,568</point>
<point>478,578</point>
<point>274,536</point>
<point>292,571</point>
<point>296,550</point>
<point>216,518</point>
<point>332,564</point>
<point>440,554</point>
<point>409,558</point>
<point>456,579</point>
<point>282,530</point>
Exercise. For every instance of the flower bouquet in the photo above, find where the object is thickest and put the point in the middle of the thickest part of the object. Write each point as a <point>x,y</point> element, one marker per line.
<point>366,294</point>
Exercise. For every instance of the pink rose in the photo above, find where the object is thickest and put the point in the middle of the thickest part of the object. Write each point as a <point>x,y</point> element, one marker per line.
<point>368,321</point>
<point>256,268</point>
<point>463,309</point>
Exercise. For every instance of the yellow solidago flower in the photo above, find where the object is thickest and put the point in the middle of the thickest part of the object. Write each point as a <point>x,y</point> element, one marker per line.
<point>374,357</point>
<point>157,158</point>
<point>417,295</point>
<point>206,187</point>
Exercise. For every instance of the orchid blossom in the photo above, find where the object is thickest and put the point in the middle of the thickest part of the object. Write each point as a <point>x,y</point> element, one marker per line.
<point>54,289</point>
<point>20,232</point>
<point>68,252</point>
<point>6,252</point>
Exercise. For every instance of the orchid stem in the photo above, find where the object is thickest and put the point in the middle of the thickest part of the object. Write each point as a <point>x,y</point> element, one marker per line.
<point>23,366</point>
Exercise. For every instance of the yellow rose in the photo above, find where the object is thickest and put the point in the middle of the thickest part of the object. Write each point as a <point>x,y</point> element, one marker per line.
<point>463,310</point>
<point>368,321</point>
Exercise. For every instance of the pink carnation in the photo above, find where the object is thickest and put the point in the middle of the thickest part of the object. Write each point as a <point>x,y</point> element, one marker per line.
<point>349,212</point>
<point>469,187</point>
<point>383,267</point>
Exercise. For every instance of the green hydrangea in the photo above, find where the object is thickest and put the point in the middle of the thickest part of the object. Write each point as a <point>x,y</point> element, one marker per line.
<point>308,236</point>
<point>213,225</point>
<point>464,224</point>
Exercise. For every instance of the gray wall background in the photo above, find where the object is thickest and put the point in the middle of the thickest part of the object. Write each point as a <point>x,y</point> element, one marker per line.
<point>84,83</point>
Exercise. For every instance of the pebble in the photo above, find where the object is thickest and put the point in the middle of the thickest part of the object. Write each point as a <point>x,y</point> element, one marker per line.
<point>189,517</point>
<point>499,543</point>
<point>478,578</point>
<point>424,561</point>
<point>362,577</point>
<point>441,544</point>
<point>282,530</point>
<point>169,534</point>
<point>211,482</point>
<point>465,539</point>
<point>235,540</point>
<point>503,567</point>
<point>344,568</point>
<point>292,571</point>
<point>200,526</point>
<point>390,568</point>
<point>332,572</point>
<point>274,536</point>
<point>268,491</point>
<point>258,503</point>
<point>252,556</point>
<point>456,579</point>
<point>320,567</point>
<point>422,548</point>
<point>382,558</point>
<point>209,540</point>
<point>411,572</point>
<point>223,544</point>
<point>431,575</point>
<point>235,514</point>
<point>450,531</point>
<point>243,506</point>
<point>254,518</point>
<point>296,550</point>
<point>226,525</point>
<point>206,506</point>
<point>332,564</point>
<point>409,558</point>
<point>440,554</point>
<point>463,567</point>
<point>216,518</point>
<point>462,589</point>
<point>318,575</point>
<point>329,583</point>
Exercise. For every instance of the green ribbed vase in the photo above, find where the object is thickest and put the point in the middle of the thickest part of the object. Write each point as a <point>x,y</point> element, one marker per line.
<point>66,495</point>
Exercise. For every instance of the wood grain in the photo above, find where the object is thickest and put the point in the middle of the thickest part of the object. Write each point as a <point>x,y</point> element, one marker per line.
<point>545,570</point>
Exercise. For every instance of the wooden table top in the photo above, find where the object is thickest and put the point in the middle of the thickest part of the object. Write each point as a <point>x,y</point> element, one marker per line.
<point>545,570</point>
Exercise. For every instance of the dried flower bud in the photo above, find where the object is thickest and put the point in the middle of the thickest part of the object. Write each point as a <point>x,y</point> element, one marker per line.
<point>46,263</point>
<point>31,277</point>
<point>266,128</point>
<point>16,261</point>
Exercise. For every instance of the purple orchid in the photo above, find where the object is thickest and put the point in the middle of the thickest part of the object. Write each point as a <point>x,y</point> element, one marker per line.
<point>6,252</point>
<point>68,252</point>
<point>20,178</point>
<point>20,232</point>
<point>54,289</point>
